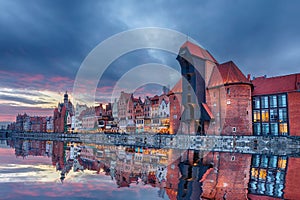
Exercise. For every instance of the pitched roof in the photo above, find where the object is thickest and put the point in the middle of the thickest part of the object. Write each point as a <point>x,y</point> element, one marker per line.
<point>208,111</point>
<point>227,73</point>
<point>177,89</point>
<point>198,51</point>
<point>279,84</point>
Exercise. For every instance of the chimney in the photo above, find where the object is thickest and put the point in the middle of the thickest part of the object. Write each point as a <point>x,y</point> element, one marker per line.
<point>249,77</point>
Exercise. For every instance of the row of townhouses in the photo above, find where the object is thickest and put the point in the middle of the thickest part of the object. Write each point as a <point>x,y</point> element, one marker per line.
<point>211,98</point>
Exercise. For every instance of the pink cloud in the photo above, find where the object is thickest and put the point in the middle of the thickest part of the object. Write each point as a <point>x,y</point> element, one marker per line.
<point>32,78</point>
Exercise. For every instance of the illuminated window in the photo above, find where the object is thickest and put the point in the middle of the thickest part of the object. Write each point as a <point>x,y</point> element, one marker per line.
<point>282,162</point>
<point>254,173</point>
<point>262,174</point>
<point>283,129</point>
<point>264,115</point>
<point>256,116</point>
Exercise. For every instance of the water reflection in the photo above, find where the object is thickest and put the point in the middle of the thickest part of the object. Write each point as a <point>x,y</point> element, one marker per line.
<point>150,173</point>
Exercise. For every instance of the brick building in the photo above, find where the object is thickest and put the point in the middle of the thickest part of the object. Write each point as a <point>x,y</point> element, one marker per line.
<point>62,116</point>
<point>229,99</point>
<point>276,101</point>
<point>175,107</point>
<point>216,97</point>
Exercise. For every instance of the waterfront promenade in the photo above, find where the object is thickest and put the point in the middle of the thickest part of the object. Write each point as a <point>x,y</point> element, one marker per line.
<point>234,144</point>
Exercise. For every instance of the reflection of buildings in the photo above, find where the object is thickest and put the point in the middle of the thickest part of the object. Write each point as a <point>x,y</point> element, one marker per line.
<point>229,177</point>
<point>267,176</point>
<point>177,173</point>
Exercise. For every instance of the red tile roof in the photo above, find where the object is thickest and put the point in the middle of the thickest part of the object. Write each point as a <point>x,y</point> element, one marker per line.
<point>275,85</point>
<point>227,73</point>
<point>177,88</point>
<point>198,51</point>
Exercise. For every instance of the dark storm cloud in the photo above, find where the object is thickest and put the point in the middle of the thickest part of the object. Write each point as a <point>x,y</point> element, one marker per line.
<point>42,43</point>
<point>48,37</point>
<point>53,37</point>
<point>260,36</point>
<point>22,100</point>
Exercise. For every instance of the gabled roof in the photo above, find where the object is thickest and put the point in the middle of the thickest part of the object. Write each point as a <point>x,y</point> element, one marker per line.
<point>208,111</point>
<point>279,84</point>
<point>196,50</point>
<point>227,73</point>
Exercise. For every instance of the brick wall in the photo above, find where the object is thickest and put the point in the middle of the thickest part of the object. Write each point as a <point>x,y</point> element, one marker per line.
<point>292,178</point>
<point>293,113</point>
<point>231,107</point>
<point>229,178</point>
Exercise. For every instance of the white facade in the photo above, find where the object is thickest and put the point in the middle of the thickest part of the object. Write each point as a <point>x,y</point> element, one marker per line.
<point>49,124</point>
<point>88,122</point>
<point>78,122</point>
<point>164,109</point>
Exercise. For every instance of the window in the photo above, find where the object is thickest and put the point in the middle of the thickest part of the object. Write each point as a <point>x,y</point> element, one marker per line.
<point>264,161</point>
<point>262,174</point>
<point>264,102</point>
<point>273,101</point>
<point>283,129</point>
<point>273,162</point>
<point>189,99</point>
<point>175,117</point>
<point>282,115</point>
<point>265,128</point>
<point>257,130</point>
<point>273,115</point>
<point>228,91</point>
<point>282,162</point>
<point>233,129</point>
<point>174,98</point>
<point>188,77</point>
<point>282,100</point>
<point>264,115</point>
<point>255,160</point>
<point>256,103</point>
<point>256,116</point>
<point>274,128</point>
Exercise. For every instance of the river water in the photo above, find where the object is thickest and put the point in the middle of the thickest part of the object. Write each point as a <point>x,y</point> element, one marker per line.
<point>32,169</point>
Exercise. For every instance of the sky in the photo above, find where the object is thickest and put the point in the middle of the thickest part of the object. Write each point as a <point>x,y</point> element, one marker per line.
<point>43,43</point>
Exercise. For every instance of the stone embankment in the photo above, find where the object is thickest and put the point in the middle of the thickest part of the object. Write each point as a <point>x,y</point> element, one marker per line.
<point>238,144</point>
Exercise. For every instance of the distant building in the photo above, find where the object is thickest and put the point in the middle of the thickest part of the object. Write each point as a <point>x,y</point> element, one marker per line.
<point>175,107</point>
<point>62,117</point>
<point>123,110</point>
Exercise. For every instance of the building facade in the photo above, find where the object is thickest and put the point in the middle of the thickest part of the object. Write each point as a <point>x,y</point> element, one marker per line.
<point>275,104</point>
